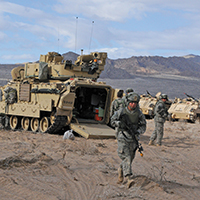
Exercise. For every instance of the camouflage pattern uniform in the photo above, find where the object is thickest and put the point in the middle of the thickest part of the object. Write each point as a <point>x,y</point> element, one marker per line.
<point>160,112</point>
<point>127,144</point>
<point>116,105</point>
<point>124,98</point>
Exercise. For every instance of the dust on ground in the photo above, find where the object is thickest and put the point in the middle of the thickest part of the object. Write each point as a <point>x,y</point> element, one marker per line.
<point>43,166</point>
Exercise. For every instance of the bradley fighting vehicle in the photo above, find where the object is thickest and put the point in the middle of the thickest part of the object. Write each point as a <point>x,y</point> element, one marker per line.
<point>186,109</point>
<point>53,94</point>
<point>147,104</point>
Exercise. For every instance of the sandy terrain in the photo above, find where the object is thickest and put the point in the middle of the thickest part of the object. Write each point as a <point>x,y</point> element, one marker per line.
<point>43,166</point>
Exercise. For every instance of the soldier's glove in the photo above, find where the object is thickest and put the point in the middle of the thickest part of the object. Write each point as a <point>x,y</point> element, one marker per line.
<point>117,124</point>
<point>137,136</point>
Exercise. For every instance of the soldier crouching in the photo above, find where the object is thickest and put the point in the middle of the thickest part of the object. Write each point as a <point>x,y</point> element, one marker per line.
<point>130,123</point>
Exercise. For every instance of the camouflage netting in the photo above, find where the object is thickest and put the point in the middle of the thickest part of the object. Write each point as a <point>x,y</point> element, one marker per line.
<point>10,95</point>
<point>43,71</point>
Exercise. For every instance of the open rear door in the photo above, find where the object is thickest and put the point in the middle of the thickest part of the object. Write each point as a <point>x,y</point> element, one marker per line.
<point>95,131</point>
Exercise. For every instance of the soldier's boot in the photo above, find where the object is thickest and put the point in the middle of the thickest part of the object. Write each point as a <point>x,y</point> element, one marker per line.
<point>120,176</point>
<point>130,182</point>
<point>158,145</point>
<point>151,143</point>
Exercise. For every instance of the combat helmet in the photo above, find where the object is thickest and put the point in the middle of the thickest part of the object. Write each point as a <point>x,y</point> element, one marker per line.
<point>163,96</point>
<point>133,97</point>
<point>128,90</point>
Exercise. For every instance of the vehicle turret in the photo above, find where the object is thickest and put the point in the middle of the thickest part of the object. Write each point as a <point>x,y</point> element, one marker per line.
<point>53,67</point>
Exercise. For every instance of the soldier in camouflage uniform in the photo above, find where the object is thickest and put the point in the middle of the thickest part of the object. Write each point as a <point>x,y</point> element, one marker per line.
<point>128,90</point>
<point>160,112</point>
<point>124,98</point>
<point>117,103</point>
<point>129,123</point>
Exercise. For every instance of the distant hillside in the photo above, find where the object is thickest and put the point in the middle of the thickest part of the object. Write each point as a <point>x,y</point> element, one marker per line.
<point>70,56</point>
<point>6,70</point>
<point>138,65</point>
<point>193,58</point>
<point>109,71</point>
<point>156,65</point>
<point>148,66</point>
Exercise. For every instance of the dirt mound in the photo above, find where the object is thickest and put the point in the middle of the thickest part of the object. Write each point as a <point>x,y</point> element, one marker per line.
<point>44,166</point>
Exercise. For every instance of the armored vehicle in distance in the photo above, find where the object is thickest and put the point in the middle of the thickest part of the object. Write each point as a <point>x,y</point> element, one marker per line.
<point>54,93</point>
<point>186,109</point>
<point>147,104</point>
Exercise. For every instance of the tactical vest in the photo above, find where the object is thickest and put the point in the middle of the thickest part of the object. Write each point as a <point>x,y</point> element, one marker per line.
<point>157,103</point>
<point>133,116</point>
<point>159,115</point>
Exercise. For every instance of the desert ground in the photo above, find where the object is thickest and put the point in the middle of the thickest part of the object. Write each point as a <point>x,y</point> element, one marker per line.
<point>43,166</point>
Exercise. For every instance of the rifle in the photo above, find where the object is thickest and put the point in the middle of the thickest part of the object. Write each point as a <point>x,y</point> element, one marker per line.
<point>140,149</point>
<point>191,97</point>
<point>148,93</point>
<point>125,123</point>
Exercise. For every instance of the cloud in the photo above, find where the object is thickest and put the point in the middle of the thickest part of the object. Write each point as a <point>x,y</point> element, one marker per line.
<point>2,36</point>
<point>169,40</point>
<point>12,8</point>
<point>17,57</point>
<point>112,10</point>
<point>117,10</point>
<point>120,27</point>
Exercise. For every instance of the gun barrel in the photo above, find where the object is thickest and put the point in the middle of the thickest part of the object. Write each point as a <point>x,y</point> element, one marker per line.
<point>148,92</point>
<point>191,97</point>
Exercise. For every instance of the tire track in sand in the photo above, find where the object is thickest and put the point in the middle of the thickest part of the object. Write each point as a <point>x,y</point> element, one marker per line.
<point>84,186</point>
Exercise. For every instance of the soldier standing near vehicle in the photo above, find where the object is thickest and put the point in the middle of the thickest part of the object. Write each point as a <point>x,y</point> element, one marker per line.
<point>117,103</point>
<point>130,123</point>
<point>160,114</point>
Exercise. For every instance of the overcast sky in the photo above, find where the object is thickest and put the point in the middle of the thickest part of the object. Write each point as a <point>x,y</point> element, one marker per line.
<point>122,28</point>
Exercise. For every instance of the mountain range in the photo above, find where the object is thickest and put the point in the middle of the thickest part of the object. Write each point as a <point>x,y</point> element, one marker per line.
<point>185,66</point>
<point>151,66</point>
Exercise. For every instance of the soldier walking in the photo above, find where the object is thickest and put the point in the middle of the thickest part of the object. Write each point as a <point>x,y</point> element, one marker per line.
<point>124,98</point>
<point>160,112</point>
<point>130,123</point>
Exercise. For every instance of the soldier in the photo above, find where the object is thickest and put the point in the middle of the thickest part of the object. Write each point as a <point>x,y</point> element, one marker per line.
<point>128,91</point>
<point>130,123</point>
<point>117,103</point>
<point>160,112</point>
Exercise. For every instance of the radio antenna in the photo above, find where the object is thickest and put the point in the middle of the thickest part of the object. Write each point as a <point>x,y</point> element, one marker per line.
<point>91,35</point>
<point>76,33</point>
<point>58,39</point>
